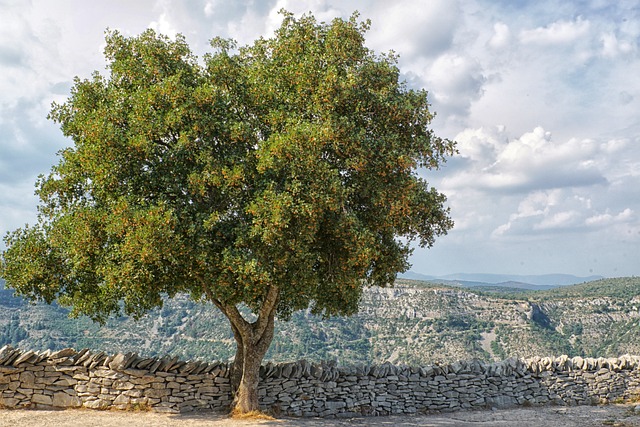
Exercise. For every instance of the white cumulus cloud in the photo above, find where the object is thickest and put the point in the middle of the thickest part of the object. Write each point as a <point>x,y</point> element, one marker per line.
<point>559,32</point>
<point>608,219</point>
<point>493,162</point>
<point>455,82</point>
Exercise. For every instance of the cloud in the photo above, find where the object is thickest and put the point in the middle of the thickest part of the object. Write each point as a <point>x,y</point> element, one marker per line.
<point>243,20</point>
<point>28,141</point>
<point>534,187</point>
<point>537,210</point>
<point>625,97</point>
<point>531,162</point>
<point>605,219</point>
<point>415,29</point>
<point>559,220</point>
<point>573,210</point>
<point>164,26</point>
<point>559,32</point>
<point>612,47</point>
<point>558,210</point>
<point>10,56</point>
<point>455,82</point>
<point>550,220</point>
<point>501,36</point>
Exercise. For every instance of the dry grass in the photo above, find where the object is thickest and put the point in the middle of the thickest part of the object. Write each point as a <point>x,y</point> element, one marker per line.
<point>139,407</point>
<point>253,415</point>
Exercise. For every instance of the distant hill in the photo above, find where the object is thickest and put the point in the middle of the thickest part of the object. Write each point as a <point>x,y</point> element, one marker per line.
<point>414,322</point>
<point>549,280</point>
<point>504,286</point>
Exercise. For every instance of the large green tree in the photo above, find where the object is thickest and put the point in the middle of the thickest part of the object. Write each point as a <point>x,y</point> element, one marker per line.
<point>263,179</point>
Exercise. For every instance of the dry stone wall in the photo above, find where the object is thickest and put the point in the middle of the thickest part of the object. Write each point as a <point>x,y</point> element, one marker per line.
<point>69,378</point>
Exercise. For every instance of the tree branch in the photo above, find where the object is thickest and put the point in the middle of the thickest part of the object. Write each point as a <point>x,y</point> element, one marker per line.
<point>267,333</point>
<point>230,311</point>
<point>267,311</point>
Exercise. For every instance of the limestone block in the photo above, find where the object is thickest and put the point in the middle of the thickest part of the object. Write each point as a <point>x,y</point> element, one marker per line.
<point>25,391</point>
<point>65,382</point>
<point>64,400</point>
<point>27,379</point>
<point>208,390</point>
<point>9,402</point>
<point>123,385</point>
<point>42,399</point>
<point>165,409</point>
<point>156,393</point>
<point>96,404</point>
<point>136,372</point>
<point>144,380</point>
<point>122,399</point>
<point>133,393</point>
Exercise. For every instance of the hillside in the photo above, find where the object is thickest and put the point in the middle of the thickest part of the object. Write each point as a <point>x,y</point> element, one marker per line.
<point>414,323</point>
<point>549,280</point>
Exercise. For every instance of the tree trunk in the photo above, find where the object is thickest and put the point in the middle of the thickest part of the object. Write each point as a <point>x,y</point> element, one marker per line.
<point>253,341</point>
<point>246,398</point>
<point>236,369</point>
<point>254,347</point>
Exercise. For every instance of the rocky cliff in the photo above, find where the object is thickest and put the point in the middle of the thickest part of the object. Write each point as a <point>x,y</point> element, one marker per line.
<point>411,323</point>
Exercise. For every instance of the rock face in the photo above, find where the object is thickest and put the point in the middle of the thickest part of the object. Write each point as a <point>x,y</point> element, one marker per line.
<point>413,323</point>
<point>69,379</point>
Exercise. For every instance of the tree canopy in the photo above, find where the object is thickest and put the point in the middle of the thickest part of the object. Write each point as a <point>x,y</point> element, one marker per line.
<point>278,176</point>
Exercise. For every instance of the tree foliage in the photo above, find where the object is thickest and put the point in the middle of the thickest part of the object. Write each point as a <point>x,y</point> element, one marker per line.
<point>279,175</point>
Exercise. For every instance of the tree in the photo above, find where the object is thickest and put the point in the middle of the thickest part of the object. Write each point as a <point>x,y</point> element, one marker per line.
<point>265,179</point>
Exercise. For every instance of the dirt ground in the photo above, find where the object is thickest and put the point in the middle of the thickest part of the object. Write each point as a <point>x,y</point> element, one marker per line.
<point>555,416</point>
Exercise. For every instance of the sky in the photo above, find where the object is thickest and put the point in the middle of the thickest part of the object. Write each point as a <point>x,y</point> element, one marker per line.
<point>543,98</point>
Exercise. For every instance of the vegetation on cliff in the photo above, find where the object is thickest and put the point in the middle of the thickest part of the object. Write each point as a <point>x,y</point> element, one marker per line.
<point>413,322</point>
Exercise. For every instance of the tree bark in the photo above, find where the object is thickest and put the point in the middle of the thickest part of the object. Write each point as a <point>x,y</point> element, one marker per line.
<point>253,341</point>
<point>253,351</point>
<point>238,362</point>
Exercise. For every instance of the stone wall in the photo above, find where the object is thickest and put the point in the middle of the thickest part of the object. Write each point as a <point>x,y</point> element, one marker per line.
<point>70,378</point>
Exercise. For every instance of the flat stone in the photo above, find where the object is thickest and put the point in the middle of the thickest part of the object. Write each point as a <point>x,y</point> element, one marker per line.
<point>42,399</point>
<point>96,404</point>
<point>122,400</point>
<point>64,400</point>
<point>156,393</point>
<point>9,402</point>
<point>28,379</point>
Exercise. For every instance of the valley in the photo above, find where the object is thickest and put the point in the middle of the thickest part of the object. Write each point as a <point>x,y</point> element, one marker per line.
<point>414,322</point>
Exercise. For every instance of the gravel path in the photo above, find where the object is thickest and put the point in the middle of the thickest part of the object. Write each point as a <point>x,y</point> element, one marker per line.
<point>582,416</point>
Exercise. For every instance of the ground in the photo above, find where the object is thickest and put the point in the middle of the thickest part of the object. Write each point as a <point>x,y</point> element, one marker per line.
<point>553,416</point>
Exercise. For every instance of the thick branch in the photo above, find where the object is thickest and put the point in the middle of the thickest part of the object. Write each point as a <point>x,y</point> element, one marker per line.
<point>267,334</point>
<point>230,311</point>
<point>267,311</point>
